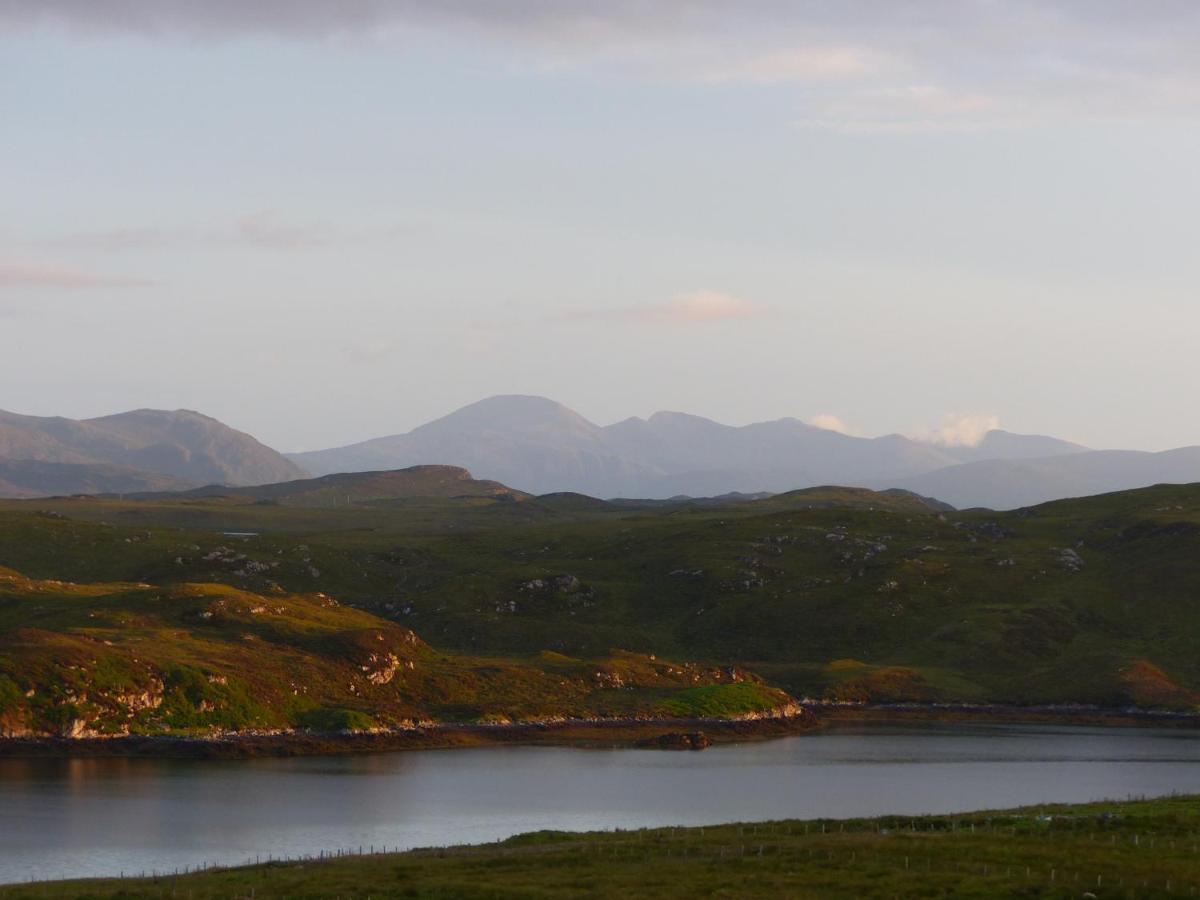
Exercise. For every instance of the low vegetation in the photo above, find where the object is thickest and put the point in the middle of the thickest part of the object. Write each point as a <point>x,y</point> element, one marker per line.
<point>93,660</point>
<point>565,605</point>
<point>1142,849</point>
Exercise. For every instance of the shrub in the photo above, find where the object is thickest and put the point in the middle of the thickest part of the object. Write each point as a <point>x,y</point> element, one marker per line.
<point>716,700</point>
<point>10,694</point>
<point>335,719</point>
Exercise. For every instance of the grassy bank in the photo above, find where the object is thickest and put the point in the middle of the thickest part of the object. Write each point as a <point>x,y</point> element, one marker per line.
<point>1143,848</point>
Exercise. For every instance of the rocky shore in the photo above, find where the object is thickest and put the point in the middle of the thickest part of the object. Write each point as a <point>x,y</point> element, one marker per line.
<point>593,732</point>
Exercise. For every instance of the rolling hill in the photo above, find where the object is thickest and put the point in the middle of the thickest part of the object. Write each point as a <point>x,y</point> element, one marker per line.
<point>125,450</point>
<point>347,488</point>
<point>830,593</point>
<point>84,660</point>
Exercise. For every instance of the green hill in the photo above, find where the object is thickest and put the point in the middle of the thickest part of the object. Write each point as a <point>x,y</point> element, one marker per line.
<point>110,659</point>
<point>829,593</point>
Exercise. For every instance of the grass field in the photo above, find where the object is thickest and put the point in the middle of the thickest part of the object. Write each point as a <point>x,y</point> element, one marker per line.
<point>1131,849</point>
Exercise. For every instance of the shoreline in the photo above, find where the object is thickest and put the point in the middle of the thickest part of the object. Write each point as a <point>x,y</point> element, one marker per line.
<point>623,733</point>
<point>593,733</point>
<point>832,713</point>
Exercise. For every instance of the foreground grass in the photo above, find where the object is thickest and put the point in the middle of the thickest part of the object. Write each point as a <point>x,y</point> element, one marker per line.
<point>1142,848</point>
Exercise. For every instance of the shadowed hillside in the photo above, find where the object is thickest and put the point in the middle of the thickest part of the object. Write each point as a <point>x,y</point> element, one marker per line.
<point>364,487</point>
<point>32,478</point>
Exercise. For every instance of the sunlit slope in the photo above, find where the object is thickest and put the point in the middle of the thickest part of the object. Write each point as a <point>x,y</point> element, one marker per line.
<point>105,659</point>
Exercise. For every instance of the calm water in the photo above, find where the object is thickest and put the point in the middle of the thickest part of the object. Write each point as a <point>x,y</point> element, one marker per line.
<point>96,817</point>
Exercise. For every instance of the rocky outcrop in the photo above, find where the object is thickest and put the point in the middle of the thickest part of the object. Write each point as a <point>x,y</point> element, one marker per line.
<point>677,740</point>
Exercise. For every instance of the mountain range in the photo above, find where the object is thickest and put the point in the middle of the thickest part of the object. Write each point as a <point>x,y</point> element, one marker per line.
<point>540,446</point>
<point>537,446</point>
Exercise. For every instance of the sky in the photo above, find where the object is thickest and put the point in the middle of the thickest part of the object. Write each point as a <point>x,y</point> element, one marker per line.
<point>323,222</point>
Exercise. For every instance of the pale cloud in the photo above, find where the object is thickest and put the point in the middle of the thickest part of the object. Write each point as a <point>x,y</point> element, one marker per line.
<point>683,309</point>
<point>868,66</point>
<point>958,430</point>
<point>700,306</point>
<point>829,422</point>
<point>42,275</point>
<point>915,107</point>
<point>266,229</point>
<point>798,64</point>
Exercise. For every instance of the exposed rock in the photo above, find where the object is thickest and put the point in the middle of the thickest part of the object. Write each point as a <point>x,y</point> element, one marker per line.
<point>677,740</point>
<point>150,698</point>
<point>1070,560</point>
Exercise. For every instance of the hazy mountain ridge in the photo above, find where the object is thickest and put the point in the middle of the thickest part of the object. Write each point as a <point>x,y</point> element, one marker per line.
<point>1010,483</point>
<point>540,446</point>
<point>187,447</point>
<point>533,445</point>
<point>27,478</point>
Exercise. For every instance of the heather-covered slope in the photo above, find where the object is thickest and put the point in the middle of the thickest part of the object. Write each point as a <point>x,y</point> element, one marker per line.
<point>110,659</point>
<point>835,593</point>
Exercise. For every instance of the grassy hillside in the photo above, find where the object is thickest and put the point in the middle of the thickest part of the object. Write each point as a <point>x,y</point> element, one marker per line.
<point>835,593</point>
<point>107,659</point>
<point>1142,849</point>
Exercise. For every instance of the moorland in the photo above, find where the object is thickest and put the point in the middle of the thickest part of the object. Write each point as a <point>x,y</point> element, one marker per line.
<point>420,596</point>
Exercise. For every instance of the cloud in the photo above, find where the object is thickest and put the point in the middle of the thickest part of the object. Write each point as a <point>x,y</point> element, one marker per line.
<point>34,275</point>
<point>266,229</point>
<point>699,306</point>
<point>798,64</point>
<point>857,66</point>
<point>683,309</point>
<point>260,229</point>
<point>829,422</point>
<point>958,430</point>
<point>914,107</point>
